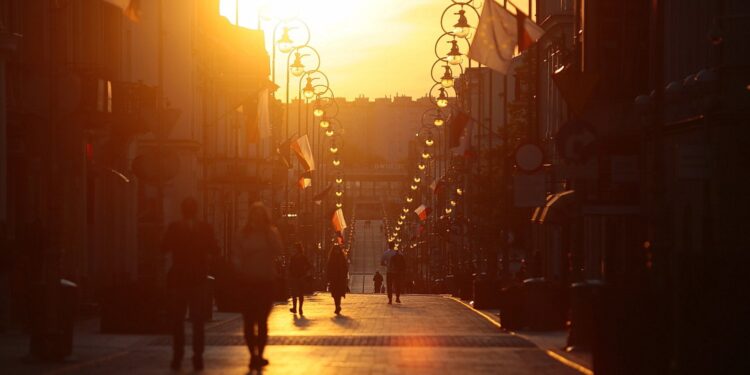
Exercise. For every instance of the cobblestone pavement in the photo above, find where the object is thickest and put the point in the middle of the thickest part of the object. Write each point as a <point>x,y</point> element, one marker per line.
<point>424,335</point>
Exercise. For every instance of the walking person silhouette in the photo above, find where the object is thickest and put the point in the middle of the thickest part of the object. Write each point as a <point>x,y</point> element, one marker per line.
<point>395,266</point>
<point>257,246</point>
<point>192,244</point>
<point>299,267</point>
<point>337,269</point>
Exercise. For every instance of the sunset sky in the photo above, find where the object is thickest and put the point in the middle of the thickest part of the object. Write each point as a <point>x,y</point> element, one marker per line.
<point>367,47</point>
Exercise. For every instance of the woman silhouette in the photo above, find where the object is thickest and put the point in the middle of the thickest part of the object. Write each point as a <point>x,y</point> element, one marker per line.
<point>256,249</point>
<point>337,276</point>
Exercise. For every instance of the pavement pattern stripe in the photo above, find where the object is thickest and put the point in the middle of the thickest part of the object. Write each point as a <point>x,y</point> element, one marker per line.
<point>409,341</point>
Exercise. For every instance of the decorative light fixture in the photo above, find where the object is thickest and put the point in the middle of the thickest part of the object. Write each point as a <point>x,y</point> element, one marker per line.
<point>438,121</point>
<point>339,205</point>
<point>454,55</point>
<point>442,99</point>
<point>462,28</point>
<point>448,210</point>
<point>453,203</point>
<point>334,149</point>
<point>318,112</point>
<point>325,123</point>
<point>403,217</point>
<point>309,90</point>
<point>447,80</point>
<point>459,191</point>
<point>429,141</point>
<point>336,162</point>
<point>339,180</point>
<point>421,166</point>
<point>398,228</point>
<point>339,193</point>
<point>417,179</point>
<point>285,43</point>
<point>329,132</point>
<point>405,210</point>
<point>414,187</point>
<point>409,199</point>
<point>297,68</point>
<point>426,155</point>
<point>400,222</point>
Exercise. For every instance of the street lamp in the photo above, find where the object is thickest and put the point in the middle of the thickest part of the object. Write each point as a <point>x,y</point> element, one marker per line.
<point>339,193</point>
<point>417,179</point>
<point>447,80</point>
<point>285,43</point>
<point>409,199</point>
<point>318,111</point>
<point>462,28</point>
<point>339,180</point>
<point>459,191</point>
<point>426,155</point>
<point>336,162</point>
<point>421,166</point>
<point>454,55</point>
<point>414,187</point>
<point>325,124</point>
<point>297,68</point>
<point>442,99</point>
<point>309,90</point>
<point>438,122</point>
<point>329,133</point>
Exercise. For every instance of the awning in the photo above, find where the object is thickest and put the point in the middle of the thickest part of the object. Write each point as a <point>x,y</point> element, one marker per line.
<point>556,210</point>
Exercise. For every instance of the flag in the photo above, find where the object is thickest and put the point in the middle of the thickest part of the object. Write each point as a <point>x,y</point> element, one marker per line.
<point>130,8</point>
<point>498,35</point>
<point>528,31</point>
<point>464,145</point>
<point>338,221</point>
<point>456,128</point>
<point>422,211</point>
<point>318,198</point>
<point>304,153</point>
<point>304,181</point>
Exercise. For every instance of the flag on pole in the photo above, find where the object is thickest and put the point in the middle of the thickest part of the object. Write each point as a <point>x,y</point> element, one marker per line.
<point>304,182</point>
<point>498,33</point>
<point>338,221</point>
<point>456,128</point>
<point>130,8</point>
<point>422,211</point>
<point>304,153</point>
<point>318,198</point>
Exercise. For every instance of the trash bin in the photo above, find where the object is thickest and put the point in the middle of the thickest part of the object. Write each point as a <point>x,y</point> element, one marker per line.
<point>450,282</point>
<point>484,292</point>
<point>582,294</point>
<point>544,304</point>
<point>52,335</point>
<point>511,303</point>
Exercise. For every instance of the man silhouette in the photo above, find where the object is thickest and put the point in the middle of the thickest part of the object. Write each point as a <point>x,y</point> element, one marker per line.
<point>191,243</point>
<point>395,267</point>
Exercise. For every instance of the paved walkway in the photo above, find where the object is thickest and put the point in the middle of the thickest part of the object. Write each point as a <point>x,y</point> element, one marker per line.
<point>424,335</point>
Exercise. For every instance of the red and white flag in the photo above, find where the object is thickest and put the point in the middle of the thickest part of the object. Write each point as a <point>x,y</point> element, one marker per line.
<point>498,33</point>
<point>422,211</point>
<point>130,8</point>
<point>302,149</point>
<point>304,182</point>
<point>338,221</point>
